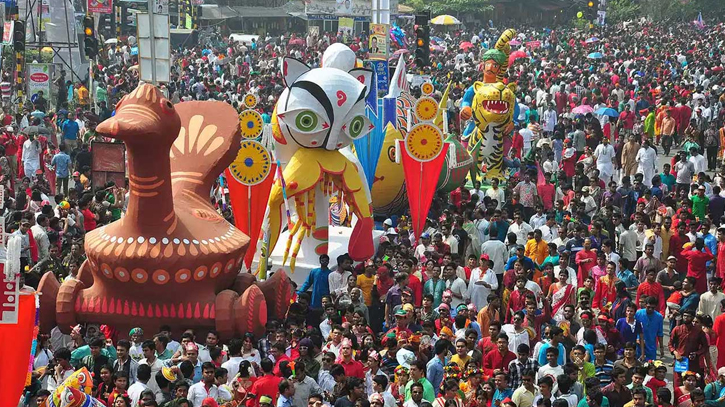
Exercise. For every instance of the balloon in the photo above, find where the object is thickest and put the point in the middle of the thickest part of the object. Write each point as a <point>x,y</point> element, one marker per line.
<point>579,14</point>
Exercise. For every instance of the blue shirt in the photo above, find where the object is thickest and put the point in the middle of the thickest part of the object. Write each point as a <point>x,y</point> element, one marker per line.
<point>629,279</point>
<point>70,130</point>
<point>651,329</point>
<point>500,395</point>
<point>628,333</point>
<point>542,355</point>
<point>320,285</point>
<point>434,372</point>
<point>61,162</point>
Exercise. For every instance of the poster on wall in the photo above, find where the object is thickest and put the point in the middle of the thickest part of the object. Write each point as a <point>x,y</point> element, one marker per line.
<point>345,25</point>
<point>378,41</point>
<point>8,32</point>
<point>161,6</point>
<point>344,6</point>
<point>100,6</point>
<point>38,79</point>
<point>381,74</point>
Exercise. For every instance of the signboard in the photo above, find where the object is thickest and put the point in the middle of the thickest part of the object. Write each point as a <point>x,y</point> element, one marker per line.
<point>187,23</point>
<point>418,80</point>
<point>378,41</point>
<point>533,44</point>
<point>161,6</point>
<point>8,32</point>
<point>100,6</point>
<point>601,17</point>
<point>38,79</point>
<point>345,25</point>
<point>339,7</point>
<point>44,14</point>
<point>154,58</point>
<point>10,296</point>
<point>381,73</point>
<point>332,17</point>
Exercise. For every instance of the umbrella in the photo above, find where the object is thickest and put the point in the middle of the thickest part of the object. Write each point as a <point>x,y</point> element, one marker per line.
<point>445,19</point>
<point>607,111</point>
<point>36,130</point>
<point>516,55</point>
<point>437,48</point>
<point>514,42</point>
<point>466,45</point>
<point>296,41</point>
<point>400,52</point>
<point>595,55</point>
<point>111,41</point>
<point>437,39</point>
<point>592,40</point>
<point>582,109</point>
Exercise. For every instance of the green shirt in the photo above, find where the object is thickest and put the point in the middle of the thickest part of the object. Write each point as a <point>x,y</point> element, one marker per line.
<point>428,392</point>
<point>583,402</point>
<point>699,205</point>
<point>712,393</point>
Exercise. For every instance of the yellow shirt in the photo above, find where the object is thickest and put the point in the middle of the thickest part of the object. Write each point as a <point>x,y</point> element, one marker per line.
<point>536,251</point>
<point>523,397</point>
<point>83,95</point>
<point>461,362</point>
<point>366,285</point>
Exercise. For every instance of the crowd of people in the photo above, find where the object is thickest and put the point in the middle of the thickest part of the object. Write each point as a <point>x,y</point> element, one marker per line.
<point>590,278</point>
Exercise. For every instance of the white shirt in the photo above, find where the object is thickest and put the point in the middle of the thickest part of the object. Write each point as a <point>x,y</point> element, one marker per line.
<point>498,195</point>
<point>479,293</point>
<point>53,383</point>
<point>548,233</point>
<point>515,338</point>
<point>457,286</point>
<point>41,237</point>
<point>232,366</point>
<point>699,161</point>
<point>134,392</point>
<point>521,231</point>
<point>537,221</point>
<point>497,252</point>
<point>31,153</point>
<point>197,393</point>
<point>453,243</point>
<point>338,281</point>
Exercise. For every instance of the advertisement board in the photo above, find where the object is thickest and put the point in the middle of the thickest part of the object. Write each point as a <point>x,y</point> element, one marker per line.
<point>38,79</point>
<point>378,41</point>
<point>382,74</point>
<point>100,6</point>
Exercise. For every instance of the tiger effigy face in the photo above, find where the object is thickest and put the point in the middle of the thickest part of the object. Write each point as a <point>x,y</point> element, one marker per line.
<point>492,103</point>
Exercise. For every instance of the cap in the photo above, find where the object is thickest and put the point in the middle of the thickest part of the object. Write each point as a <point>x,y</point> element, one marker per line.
<point>376,398</point>
<point>408,308</point>
<point>401,313</point>
<point>721,371</point>
<point>671,258</point>
<point>38,171</point>
<point>406,290</point>
<point>64,205</point>
<point>702,187</point>
<point>447,331</point>
<point>585,189</point>
<point>461,306</point>
<point>425,235</point>
<point>388,222</point>
<point>210,402</point>
<point>133,331</point>
<point>391,231</point>
<point>265,400</point>
<point>169,373</point>
<point>76,174</point>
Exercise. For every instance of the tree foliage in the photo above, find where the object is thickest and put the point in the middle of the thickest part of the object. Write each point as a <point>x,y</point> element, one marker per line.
<point>454,7</point>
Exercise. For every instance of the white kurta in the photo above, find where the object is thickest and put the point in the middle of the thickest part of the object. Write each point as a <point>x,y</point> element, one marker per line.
<point>31,157</point>
<point>647,164</point>
<point>605,159</point>
<point>477,292</point>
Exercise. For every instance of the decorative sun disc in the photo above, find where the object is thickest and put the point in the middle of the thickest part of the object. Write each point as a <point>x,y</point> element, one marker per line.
<point>253,163</point>
<point>424,142</point>
<point>251,123</point>
<point>426,109</point>
<point>427,88</point>
<point>250,100</point>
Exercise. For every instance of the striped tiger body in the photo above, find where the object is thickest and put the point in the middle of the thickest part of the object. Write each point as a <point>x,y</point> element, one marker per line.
<point>493,108</point>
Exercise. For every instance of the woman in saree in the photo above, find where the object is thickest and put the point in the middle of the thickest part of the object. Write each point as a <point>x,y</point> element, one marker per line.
<point>401,378</point>
<point>619,306</point>
<point>682,393</point>
<point>561,294</point>
<point>590,163</point>
<point>568,159</point>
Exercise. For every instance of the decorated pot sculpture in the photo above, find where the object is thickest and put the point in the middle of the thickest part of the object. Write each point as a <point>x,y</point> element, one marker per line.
<point>172,259</point>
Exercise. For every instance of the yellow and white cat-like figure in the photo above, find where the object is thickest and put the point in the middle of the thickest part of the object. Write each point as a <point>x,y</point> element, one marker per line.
<point>316,118</point>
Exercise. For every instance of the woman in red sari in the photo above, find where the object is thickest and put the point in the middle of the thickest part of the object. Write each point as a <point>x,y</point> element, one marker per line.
<point>561,294</point>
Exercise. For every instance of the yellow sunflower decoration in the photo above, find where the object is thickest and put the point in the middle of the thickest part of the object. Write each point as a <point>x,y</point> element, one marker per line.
<point>427,88</point>
<point>253,163</point>
<point>251,123</point>
<point>426,109</point>
<point>424,142</point>
<point>250,101</point>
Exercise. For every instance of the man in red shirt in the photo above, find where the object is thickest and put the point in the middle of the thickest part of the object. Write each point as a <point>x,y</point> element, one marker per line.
<point>499,358</point>
<point>677,243</point>
<point>696,264</point>
<point>10,142</point>
<point>279,353</point>
<point>353,368</point>
<point>651,288</point>
<point>267,385</point>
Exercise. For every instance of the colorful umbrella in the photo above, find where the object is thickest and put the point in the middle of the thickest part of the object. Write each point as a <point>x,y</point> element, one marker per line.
<point>514,42</point>
<point>607,111</point>
<point>400,52</point>
<point>296,41</point>
<point>437,48</point>
<point>466,45</point>
<point>445,19</point>
<point>516,55</point>
<point>592,40</point>
<point>595,55</point>
<point>582,109</point>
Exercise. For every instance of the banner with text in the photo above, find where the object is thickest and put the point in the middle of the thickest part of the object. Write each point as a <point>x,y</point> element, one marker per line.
<point>345,25</point>
<point>378,41</point>
<point>38,79</point>
<point>381,73</point>
<point>100,6</point>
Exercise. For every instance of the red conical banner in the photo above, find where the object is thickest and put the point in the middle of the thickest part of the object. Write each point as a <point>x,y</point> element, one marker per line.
<point>14,375</point>
<point>249,204</point>
<point>421,178</point>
